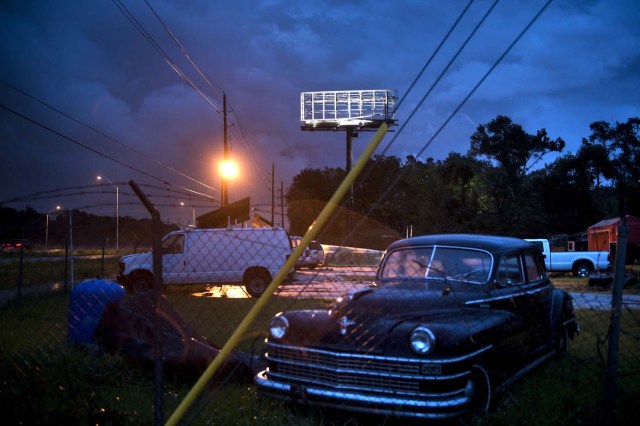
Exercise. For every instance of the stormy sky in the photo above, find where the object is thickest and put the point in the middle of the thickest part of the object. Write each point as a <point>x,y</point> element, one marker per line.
<point>133,90</point>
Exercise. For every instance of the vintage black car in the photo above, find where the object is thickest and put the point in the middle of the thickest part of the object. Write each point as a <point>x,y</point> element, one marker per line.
<point>449,321</point>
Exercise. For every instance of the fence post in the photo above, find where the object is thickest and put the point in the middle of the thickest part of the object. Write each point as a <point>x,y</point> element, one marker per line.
<point>66,263</point>
<point>614,327</point>
<point>71,247</point>
<point>20,269</point>
<point>156,229</point>
<point>102,259</point>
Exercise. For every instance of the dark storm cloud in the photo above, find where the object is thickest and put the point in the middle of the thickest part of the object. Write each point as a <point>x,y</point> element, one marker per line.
<point>577,64</point>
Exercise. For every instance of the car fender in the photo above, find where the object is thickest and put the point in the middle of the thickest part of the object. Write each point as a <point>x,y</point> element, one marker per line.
<point>459,330</point>
<point>562,313</point>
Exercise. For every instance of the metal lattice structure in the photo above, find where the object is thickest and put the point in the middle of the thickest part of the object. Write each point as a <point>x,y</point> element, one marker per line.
<point>347,108</point>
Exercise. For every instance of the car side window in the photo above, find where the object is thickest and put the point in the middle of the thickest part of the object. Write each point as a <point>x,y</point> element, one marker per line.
<point>510,271</point>
<point>533,267</point>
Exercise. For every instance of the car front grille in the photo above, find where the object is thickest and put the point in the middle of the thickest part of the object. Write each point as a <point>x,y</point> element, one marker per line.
<point>366,372</point>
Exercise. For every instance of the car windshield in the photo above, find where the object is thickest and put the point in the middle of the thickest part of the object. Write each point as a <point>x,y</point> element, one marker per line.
<point>437,263</point>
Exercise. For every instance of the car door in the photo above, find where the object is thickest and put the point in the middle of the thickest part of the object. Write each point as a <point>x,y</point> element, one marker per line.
<point>522,288</point>
<point>537,299</point>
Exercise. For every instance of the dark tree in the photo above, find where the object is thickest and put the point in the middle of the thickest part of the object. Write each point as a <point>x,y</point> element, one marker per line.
<point>372,195</point>
<point>512,153</point>
<point>622,142</point>
<point>308,194</point>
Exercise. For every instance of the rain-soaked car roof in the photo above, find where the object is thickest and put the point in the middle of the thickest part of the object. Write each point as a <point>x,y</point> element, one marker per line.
<point>490,243</point>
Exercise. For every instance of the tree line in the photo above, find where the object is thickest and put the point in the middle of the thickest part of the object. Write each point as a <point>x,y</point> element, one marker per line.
<point>499,186</point>
<point>90,231</point>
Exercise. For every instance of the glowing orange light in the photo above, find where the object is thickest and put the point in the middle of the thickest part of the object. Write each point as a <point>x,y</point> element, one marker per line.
<point>229,169</point>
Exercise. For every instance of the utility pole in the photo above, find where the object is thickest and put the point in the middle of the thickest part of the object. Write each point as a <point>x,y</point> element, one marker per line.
<point>282,202</point>
<point>273,193</point>
<point>351,133</point>
<point>224,193</point>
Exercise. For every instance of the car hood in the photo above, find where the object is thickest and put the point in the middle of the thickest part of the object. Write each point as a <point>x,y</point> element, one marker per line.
<point>376,318</point>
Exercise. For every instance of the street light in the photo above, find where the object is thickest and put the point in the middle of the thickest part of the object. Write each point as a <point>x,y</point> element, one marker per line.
<point>46,229</point>
<point>117,211</point>
<point>228,170</point>
<point>193,212</point>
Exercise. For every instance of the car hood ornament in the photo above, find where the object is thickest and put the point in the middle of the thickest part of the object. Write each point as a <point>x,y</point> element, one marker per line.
<point>345,322</point>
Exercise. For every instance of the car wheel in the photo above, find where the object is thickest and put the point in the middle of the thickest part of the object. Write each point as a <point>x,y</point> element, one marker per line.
<point>562,344</point>
<point>255,282</point>
<point>478,389</point>
<point>141,283</point>
<point>582,269</point>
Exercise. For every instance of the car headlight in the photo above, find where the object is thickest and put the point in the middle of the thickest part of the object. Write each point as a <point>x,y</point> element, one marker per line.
<point>422,340</point>
<point>279,326</point>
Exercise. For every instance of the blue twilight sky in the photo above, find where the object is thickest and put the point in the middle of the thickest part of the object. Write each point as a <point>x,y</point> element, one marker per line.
<point>113,66</point>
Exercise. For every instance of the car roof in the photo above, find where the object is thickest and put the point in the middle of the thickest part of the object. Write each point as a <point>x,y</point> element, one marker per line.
<point>490,243</point>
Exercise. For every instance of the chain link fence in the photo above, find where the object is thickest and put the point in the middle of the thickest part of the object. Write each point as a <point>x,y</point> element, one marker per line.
<point>79,348</point>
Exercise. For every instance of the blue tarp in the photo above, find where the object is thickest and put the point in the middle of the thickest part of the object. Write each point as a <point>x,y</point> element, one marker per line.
<point>86,306</point>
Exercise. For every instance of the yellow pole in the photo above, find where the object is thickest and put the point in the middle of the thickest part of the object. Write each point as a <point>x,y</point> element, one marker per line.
<point>310,235</point>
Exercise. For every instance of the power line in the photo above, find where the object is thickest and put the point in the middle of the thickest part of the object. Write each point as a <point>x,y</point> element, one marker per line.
<point>435,52</point>
<point>181,47</point>
<point>138,26</point>
<point>457,109</point>
<point>421,72</point>
<point>95,151</point>
<point>442,73</point>
<point>135,151</point>
<point>242,136</point>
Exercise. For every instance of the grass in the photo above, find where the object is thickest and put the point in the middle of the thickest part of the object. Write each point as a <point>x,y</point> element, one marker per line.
<point>38,272</point>
<point>570,391</point>
<point>45,381</point>
<point>568,282</point>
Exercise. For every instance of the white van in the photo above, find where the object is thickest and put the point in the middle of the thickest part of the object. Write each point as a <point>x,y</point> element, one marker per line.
<point>251,256</point>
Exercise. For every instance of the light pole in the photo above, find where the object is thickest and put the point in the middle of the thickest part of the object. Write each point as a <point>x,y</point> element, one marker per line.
<point>117,211</point>
<point>193,212</point>
<point>46,229</point>
<point>228,170</point>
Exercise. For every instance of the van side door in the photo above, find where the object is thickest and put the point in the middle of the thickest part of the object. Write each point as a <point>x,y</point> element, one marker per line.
<point>208,256</point>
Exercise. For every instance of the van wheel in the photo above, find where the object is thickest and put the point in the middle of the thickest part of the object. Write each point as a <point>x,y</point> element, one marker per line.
<point>140,283</point>
<point>255,282</point>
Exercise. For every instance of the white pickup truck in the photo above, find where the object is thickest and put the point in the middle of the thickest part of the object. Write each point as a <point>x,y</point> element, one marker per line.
<point>580,263</point>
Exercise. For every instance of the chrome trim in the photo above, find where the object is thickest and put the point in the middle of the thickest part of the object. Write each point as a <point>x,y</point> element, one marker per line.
<point>507,296</point>
<point>382,357</point>
<point>368,373</point>
<point>386,405</point>
<point>363,389</point>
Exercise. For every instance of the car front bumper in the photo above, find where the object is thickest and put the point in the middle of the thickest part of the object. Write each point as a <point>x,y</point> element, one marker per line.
<point>415,406</point>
